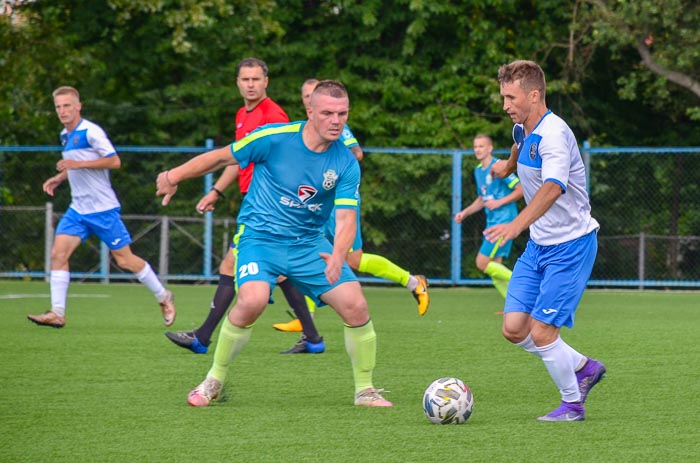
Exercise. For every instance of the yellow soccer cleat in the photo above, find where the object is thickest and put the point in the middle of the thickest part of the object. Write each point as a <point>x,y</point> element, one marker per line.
<point>293,326</point>
<point>421,294</point>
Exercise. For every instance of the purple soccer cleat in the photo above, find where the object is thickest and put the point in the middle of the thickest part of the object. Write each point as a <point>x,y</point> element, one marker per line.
<point>588,376</point>
<point>567,411</point>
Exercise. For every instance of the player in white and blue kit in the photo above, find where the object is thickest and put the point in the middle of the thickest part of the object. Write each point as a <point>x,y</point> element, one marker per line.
<point>551,275</point>
<point>498,198</point>
<point>301,173</point>
<point>88,155</point>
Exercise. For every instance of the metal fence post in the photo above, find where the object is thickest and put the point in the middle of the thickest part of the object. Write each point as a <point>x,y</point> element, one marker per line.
<point>104,262</point>
<point>207,239</point>
<point>456,234</point>
<point>642,258</point>
<point>586,155</point>
<point>164,259</point>
<point>48,240</point>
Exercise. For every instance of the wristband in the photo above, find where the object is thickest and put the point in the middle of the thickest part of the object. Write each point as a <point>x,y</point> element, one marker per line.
<point>218,192</point>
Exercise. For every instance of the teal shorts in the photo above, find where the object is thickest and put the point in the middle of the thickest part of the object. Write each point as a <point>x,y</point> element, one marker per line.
<point>492,250</point>
<point>264,257</point>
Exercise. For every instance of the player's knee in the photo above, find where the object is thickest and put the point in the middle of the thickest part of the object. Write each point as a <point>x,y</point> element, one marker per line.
<point>354,307</point>
<point>482,262</point>
<point>354,259</point>
<point>513,334</point>
<point>59,258</point>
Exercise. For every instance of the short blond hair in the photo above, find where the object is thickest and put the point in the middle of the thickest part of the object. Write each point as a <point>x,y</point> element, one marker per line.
<point>65,90</point>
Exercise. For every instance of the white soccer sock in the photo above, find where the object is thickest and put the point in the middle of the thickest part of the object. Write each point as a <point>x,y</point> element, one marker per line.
<point>149,278</point>
<point>529,345</point>
<point>59,281</point>
<point>578,360</point>
<point>557,358</point>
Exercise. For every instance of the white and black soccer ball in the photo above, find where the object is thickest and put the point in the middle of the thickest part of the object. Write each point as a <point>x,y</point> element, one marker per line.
<point>448,401</point>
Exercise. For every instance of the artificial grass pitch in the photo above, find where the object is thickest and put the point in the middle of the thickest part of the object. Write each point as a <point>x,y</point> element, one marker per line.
<point>110,387</point>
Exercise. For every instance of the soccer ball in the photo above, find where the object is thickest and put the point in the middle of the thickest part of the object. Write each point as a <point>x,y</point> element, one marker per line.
<point>448,401</point>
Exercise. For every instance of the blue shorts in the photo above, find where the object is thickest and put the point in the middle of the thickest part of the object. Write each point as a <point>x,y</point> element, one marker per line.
<point>492,250</point>
<point>263,257</point>
<point>107,226</point>
<point>548,281</point>
<point>329,231</point>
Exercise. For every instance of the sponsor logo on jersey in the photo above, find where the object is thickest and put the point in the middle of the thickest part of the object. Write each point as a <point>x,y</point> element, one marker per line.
<point>533,151</point>
<point>289,202</point>
<point>329,178</point>
<point>306,192</point>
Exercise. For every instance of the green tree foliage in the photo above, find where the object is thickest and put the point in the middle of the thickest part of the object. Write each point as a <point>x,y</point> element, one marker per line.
<point>420,74</point>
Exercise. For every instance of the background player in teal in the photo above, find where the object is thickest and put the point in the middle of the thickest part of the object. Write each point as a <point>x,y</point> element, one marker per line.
<point>551,275</point>
<point>498,198</point>
<point>373,264</point>
<point>302,171</point>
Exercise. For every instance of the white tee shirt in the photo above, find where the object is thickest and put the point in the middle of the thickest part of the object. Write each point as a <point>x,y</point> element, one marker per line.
<point>550,154</point>
<point>91,190</point>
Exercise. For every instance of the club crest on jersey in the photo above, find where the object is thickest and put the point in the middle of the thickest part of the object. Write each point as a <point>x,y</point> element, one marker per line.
<point>306,192</point>
<point>329,178</point>
<point>533,151</point>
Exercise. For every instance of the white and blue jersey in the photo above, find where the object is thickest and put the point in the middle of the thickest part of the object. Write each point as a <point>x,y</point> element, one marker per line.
<point>91,189</point>
<point>294,189</point>
<point>550,276</point>
<point>550,154</point>
<point>490,188</point>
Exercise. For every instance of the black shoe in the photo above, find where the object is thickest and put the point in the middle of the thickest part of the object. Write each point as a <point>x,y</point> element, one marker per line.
<point>303,346</point>
<point>188,340</point>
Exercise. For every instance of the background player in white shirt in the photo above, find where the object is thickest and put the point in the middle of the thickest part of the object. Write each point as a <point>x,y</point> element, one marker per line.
<point>550,276</point>
<point>88,155</point>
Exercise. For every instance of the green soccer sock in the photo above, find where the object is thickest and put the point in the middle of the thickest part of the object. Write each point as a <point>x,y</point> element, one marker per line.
<point>310,304</point>
<point>501,286</point>
<point>232,339</point>
<point>361,346</point>
<point>500,275</point>
<point>383,268</point>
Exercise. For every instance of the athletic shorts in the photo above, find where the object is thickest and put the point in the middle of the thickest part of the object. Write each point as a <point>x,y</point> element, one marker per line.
<point>108,226</point>
<point>548,281</point>
<point>329,231</point>
<point>262,257</point>
<point>495,250</point>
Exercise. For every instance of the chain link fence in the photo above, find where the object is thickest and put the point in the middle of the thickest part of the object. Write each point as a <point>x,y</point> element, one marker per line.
<point>646,199</point>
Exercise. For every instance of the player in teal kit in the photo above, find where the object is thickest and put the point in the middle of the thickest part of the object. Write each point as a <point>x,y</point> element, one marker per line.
<point>302,171</point>
<point>497,197</point>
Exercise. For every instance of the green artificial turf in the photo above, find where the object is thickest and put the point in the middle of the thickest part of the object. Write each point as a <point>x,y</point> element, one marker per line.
<point>109,387</point>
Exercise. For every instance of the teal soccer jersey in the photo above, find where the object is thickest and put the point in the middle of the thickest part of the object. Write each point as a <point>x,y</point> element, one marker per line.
<point>490,187</point>
<point>294,189</point>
